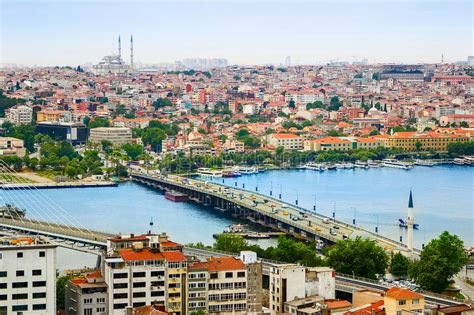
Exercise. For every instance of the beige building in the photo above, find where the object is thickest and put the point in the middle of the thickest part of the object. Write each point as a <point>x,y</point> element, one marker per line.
<point>400,301</point>
<point>19,115</point>
<point>327,144</point>
<point>116,135</point>
<point>11,146</point>
<point>288,141</point>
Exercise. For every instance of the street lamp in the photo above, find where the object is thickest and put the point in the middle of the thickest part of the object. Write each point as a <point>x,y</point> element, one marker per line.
<point>314,207</point>
<point>280,193</point>
<point>377,226</point>
<point>271,187</point>
<point>354,220</point>
<point>296,196</point>
<point>334,211</point>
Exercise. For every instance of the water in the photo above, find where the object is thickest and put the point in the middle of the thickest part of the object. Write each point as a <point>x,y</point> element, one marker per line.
<point>443,199</point>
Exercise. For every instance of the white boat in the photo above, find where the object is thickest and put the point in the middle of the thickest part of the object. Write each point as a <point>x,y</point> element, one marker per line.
<point>397,164</point>
<point>246,170</point>
<point>469,160</point>
<point>331,167</point>
<point>361,164</point>
<point>348,165</point>
<point>459,161</point>
<point>339,166</point>
<point>314,166</point>
<point>207,172</point>
<point>373,164</point>
<point>425,163</point>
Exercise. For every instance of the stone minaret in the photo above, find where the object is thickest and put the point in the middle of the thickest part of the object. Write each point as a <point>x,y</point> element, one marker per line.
<point>119,48</point>
<point>410,223</point>
<point>131,53</point>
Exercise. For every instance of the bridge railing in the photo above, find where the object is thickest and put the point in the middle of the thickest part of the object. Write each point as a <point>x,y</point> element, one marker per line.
<point>424,292</point>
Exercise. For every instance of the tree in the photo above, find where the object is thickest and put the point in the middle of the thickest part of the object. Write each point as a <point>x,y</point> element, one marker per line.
<point>161,102</point>
<point>60,291</point>
<point>399,265</point>
<point>153,137</point>
<point>317,104</point>
<point>442,258</point>
<point>374,132</point>
<point>230,242</point>
<point>463,124</point>
<point>418,145</point>
<point>70,171</point>
<point>133,150</point>
<point>291,104</point>
<point>360,256</point>
<point>98,122</point>
<point>106,146</point>
<point>334,104</point>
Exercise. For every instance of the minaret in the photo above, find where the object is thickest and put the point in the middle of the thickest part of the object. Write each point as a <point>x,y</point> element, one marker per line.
<point>410,222</point>
<point>131,53</point>
<point>119,48</point>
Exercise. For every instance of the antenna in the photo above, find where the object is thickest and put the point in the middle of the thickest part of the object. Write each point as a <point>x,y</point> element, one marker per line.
<point>151,225</point>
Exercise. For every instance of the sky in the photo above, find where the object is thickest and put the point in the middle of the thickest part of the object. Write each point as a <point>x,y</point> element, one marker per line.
<point>54,32</point>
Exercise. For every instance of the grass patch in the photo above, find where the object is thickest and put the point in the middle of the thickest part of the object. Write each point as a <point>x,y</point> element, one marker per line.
<point>14,179</point>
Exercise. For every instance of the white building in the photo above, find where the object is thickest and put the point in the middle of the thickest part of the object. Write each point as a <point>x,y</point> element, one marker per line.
<point>86,294</point>
<point>288,141</point>
<point>27,276</point>
<point>20,115</point>
<point>116,135</point>
<point>289,282</point>
<point>12,146</point>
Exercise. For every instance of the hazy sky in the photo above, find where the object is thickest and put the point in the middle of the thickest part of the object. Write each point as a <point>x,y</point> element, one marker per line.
<point>38,32</point>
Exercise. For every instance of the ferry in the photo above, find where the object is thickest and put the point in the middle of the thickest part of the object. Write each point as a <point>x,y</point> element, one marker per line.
<point>207,172</point>
<point>373,164</point>
<point>315,166</point>
<point>462,161</point>
<point>348,166</point>
<point>176,196</point>
<point>246,170</point>
<point>397,164</point>
<point>231,173</point>
<point>361,164</point>
<point>469,160</point>
<point>425,163</point>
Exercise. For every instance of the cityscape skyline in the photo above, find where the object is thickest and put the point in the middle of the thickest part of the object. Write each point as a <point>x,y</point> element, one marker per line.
<point>404,32</point>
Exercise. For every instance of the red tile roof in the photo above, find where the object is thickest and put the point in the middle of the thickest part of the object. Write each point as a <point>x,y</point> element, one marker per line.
<point>144,254</point>
<point>173,256</point>
<point>400,293</point>
<point>224,263</point>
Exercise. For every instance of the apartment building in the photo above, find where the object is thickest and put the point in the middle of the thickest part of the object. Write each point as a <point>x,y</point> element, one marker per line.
<point>198,279</point>
<point>400,301</point>
<point>290,282</point>
<point>303,97</point>
<point>116,135</point>
<point>27,275</point>
<point>227,290</point>
<point>288,141</point>
<point>86,295</point>
<point>327,144</point>
<point>254,281</point>
<point>12,146</point>
<point>144,270</point>
<point>19,115</point>
<point>431,140</point>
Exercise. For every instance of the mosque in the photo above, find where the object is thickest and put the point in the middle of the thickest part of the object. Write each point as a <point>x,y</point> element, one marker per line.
<point>114,64</point>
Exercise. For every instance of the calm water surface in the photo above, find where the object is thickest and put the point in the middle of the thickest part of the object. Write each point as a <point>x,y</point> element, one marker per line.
<point>443,198</point>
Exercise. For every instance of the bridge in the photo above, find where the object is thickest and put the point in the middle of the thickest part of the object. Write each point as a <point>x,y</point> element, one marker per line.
<point>266,211</point>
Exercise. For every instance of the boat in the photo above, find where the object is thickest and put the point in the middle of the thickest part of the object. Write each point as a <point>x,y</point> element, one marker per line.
<point>246,170</point>
<point>331,167</point>
<point>207,172</point>
<point>425,163</point>
<point>348,166</point>
<point>361,164</point>
<point>469,160</point>
<point>315,166</point>
<point>459,161</point>
<point>373,164</point>
<point>339,166</point>
<point>231,173</point>
<point>397,164</point>
<point>176,196</point>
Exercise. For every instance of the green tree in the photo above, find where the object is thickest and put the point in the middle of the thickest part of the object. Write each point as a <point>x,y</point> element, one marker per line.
<point>442,258</point>
<point>106,146</point>
<point>334,104</point>
<point>291,104</point>
<point>133,150</point>
<point>60,291</point>
<point>153,137</point>
<point>359,256</point>
<point>98,122</point>
<point>230,242</point>
<point>418,145</point>
<point>161,102</point>
<point>463,124</point>
<point>399,265</point>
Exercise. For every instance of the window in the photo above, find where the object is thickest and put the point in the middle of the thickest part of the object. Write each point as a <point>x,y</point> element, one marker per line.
<point>229,274</point>
<point>39,306</point>
<point>139,274</point>
<point>120,306</point>
<point>416,301</point>
<point>16,308</point>
<point>214,275</point>
<point>19,255</point>
<point>3,274</point>
<point>402,302</point>
<point>101,310</point>
<point>3,297</point>
<point>42,254</point>
<point>100,300</point>
<point>39,295</point>
<point>39,283</point>
<point>20,273</point>
<point>87,301</point>
<point>20,296</point>
<point>120,275</point>
<point>120,285</point>
<point>139,294</point>
<point>3,285</point>
<point>138,304</point>
<point>157,293</point>
<point>241,274</point>
<point>36,272</point>
<point>139,284</point>
<point>88,311</point>
<point>120,295</point>
<point>16,285</point>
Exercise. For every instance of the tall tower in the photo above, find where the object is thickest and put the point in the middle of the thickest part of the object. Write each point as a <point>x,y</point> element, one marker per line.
<point>410,223</point>
<point>119,48</point>
<point>131,53</point>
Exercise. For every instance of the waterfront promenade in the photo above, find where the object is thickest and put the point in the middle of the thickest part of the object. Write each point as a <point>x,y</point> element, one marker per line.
<point>276,214</point>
